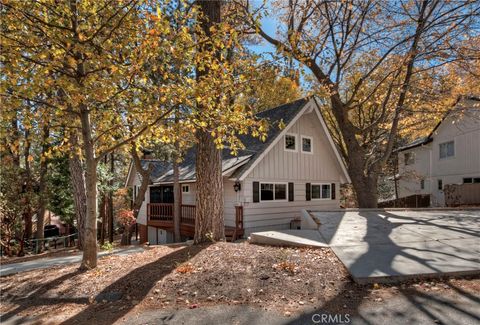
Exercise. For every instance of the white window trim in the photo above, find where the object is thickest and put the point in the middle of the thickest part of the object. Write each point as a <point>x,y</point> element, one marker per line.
<point>188,188</point>
<point>454,150</point>
<point>320,199</point>
<point>296,142</point>
<point>311,144</point>
<point>274,200</point>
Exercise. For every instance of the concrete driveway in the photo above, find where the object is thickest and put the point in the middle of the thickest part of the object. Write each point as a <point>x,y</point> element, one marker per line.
<point>392,245</point>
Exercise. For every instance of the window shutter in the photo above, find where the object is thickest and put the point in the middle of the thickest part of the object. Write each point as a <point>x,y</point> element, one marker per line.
<point>290,192</point>
<point>333,191</point>
<point>256,192</point>
<point>308,189</point>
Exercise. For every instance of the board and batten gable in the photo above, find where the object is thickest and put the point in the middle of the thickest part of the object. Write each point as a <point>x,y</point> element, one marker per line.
<point>278,165</point>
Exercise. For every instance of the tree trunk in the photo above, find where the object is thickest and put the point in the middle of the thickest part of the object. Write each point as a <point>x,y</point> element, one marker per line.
<point>177,206</point>
<point>103,217</point>
<point>365,187</point>
<point>78,185</point>
<point>89,260</point>
<point>27,214</point>
<point>110,201</point>
<point>209,219</point>
<point>145,174</point>
<point>43,185</point>
<point>177,192</point>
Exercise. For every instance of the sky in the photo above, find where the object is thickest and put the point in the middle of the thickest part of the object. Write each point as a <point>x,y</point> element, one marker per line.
<point>264,48</point>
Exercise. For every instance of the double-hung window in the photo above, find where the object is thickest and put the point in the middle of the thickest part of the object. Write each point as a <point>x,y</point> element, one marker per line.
<point>321,191</point>
<point>273,191</point>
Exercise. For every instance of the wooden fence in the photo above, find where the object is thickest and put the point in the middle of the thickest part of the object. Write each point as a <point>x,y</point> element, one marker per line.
<point>462,194</point>
<point>412,201</point>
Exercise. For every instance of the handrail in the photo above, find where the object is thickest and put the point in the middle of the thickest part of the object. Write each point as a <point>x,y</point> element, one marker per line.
<point>53,238</point>
<point>164,212</point>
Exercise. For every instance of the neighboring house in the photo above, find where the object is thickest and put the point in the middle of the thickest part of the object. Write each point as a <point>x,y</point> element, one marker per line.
<point>265,186</point>
<point>450,154</point>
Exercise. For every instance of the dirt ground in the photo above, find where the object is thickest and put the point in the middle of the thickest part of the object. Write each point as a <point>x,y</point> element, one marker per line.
<point>283,279</point>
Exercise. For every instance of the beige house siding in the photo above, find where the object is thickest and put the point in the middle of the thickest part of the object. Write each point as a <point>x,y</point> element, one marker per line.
<point>464,130</point>
<point>230,199</point>
<point>275,165</point>
<point>280,165</point>
<point>413,174</point>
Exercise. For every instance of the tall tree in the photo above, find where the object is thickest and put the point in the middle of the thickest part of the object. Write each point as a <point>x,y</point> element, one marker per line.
<point>366,56</point>
<point>42,186</point>
<point>97,50</point>
<point>209,221</point>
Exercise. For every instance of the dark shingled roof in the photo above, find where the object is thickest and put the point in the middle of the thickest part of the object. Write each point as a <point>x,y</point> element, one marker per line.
<point>254,147</point>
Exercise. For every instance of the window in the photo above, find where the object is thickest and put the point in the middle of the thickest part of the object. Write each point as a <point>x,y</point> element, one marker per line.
<point>290,142</point>
<point>273,192</point>
<point>447,149</point>
<point>321,191</point>
<point>470,180</point>
<point>440,184</point>
<point>409,158</point>
<point>422,184</point>
<point>306,144</point>
<point>185,189</point>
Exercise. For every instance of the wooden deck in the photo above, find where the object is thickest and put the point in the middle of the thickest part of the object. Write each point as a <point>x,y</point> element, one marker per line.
<point>160,215</point>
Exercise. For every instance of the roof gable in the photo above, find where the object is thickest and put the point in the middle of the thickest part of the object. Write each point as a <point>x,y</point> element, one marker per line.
<point>308,106</point>
<point>255,149</point>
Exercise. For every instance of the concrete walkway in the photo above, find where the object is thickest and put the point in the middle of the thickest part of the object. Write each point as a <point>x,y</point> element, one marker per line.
<point>299,238</point>
<point>43,263</point>
<point>385,246</point>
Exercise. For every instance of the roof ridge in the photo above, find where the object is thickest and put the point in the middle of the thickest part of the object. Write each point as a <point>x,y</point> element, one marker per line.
<point>286,104</point>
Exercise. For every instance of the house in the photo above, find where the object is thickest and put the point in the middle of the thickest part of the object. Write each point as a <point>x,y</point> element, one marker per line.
<point>450,154</point>
<point>266,185</point>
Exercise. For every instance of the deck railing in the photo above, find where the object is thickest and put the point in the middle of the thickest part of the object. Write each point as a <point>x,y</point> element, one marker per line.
<point>164,212</point>
<point>188,214</point>
<point>161,215</point>
<point>160,211</point>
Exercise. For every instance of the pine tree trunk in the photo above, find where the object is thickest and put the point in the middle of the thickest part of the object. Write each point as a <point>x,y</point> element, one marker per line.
<point>27,214</point>
<point>177,193</point>
<point>89,260</point>
<point>110,201</point>
<point>43,186</point>
<point>177,206</point>
<point>77,177</point>
<point>209,218</point>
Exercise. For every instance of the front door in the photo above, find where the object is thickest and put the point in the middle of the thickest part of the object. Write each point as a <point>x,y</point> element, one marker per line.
<point>161,194</point>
